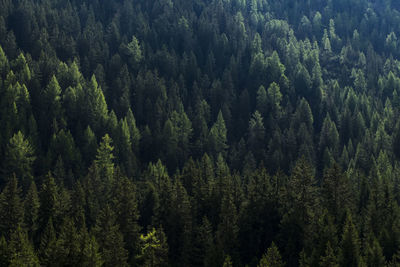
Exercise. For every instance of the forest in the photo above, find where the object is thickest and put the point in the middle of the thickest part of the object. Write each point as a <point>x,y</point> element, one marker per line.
<point>216,133</point>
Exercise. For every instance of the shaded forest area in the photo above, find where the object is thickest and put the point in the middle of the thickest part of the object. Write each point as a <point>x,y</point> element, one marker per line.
<point>199,133</point>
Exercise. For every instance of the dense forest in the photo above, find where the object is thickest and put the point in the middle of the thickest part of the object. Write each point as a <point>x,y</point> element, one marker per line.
<point>199,133</point>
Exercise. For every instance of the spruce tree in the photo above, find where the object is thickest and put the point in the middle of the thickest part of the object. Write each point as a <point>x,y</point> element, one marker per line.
<point>349,254</point>
<point>31,207</point>
<point>21,250</point>
<point>110,239</point>
<point>272,258</point>
<point>19,158</point>
<point>11,208</point>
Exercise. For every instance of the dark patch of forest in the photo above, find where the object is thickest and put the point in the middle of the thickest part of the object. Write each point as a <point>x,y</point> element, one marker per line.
<point>199,133</point>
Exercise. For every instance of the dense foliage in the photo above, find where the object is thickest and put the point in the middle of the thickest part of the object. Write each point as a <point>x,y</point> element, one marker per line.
<point>199,133</point>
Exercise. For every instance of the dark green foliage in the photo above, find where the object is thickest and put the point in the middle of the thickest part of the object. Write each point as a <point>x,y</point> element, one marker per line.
<point>18,160</point>
<point>11,208</point>
<point>31,206</point>
<point>226,126</point>
<point>350,254</point>
<point>272,258</point>
<point>110,239</point>
<point>21,250</point>
<point>154,249</point>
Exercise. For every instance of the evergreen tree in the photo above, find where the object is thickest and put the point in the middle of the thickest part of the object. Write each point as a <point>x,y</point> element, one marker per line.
<point>272,258</point>
<point>31,207</point>
<point>349,254</point>
<point>104,159</point>
<point>48,197</point>
<point>154,249</point>
<point>4,252</point>
<point>48,245</point>
<point>11,208</point>
<point>21,250</point>
<point>110,239</point>
<point>19,158</point>
<point>336,192</point>
<point>218,136</point>
<point>96,106</point>
<point>52,110</point>
<point>127,213</point>
<point>256,135</point>
<point>329,259</point>
<point>91,254</point>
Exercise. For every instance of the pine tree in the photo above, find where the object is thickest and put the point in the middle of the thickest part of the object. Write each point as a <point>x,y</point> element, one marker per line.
<point>91,255</point>
<point>124,147</point>
<point>96,106</point>
<point>154,249</point>
<point>52,110</point>
<point>274,99</point>
<point>228,262</point>
<point>330,258</point>
<point>11,208</point>
<point>374,255</point>
<point>301,207</point>
<point>110,239</point>
<point>349,254</point>
<point>31,206</point>
<point>302,193</point>
<point>127,213</point>
<point>48,197</point>
<point>68,250</point>
<point>227,233</point>
<point>256,139</point>
<point>19,158</point>
<point>134,51</point>
<point>104,159</point>
<point>48,245</point>
<point>272,258</point>
<point>336,192</point>
<point>134,131</point>
<point>4,251</point>
<point>21,250</point>
<point>183,227</point>
<point>262,101</point>
<point>218,136</point>
<point>90,146</point>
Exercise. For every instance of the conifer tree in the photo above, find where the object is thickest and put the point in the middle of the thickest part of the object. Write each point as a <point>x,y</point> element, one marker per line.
<point>96,106</point>
<point>272,258</point>
<point>48,245</point>
<point>256,135</point>
<point>48,197</point>
<point>374,255</point>
<point>21,250</point>
<point>91,255</point>
<point>227,262</point>
<point>227,234</point>
<point>31,207</point>
<point>336,192</point>
<point>4,252</point>
<point>218,136</point>
<point>330,258</point>
<point>52,109</point>
<point>154,248</point>
<point>90,146</point>
<point>19,158</point>
<point>349,254</point>
<point>110,239</point>
<point>127,213</point>
<point>104,159</point>
<point>11,208</point>
<point>68,247</point>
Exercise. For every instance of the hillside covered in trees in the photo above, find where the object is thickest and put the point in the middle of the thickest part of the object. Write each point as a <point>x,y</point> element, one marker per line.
<point>199,133</point>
